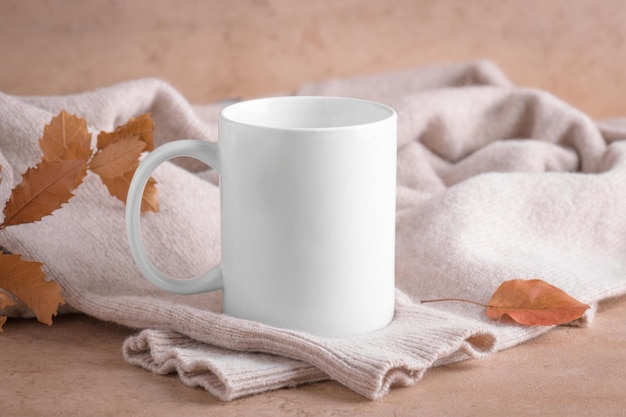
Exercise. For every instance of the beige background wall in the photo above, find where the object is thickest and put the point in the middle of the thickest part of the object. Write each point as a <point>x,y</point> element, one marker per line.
<point>215,49</point>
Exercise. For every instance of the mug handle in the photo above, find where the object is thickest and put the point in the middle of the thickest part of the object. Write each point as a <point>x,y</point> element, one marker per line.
<point>207,152</point>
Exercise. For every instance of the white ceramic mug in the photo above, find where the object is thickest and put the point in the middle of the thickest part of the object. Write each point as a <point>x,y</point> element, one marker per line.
<point>307,188</point>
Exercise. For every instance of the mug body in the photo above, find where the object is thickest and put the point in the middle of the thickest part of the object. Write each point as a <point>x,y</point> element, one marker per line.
<point>308,213</point>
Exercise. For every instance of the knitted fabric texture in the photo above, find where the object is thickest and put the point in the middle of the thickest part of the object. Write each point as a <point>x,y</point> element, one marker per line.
<point>495,182</point>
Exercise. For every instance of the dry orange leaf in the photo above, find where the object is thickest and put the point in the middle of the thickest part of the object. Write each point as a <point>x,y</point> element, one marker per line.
<point>141,126</point>
<point>66,137</point>
<point>117,158</point>
<point>66,146</point>
<point>534,302</point>
<point>5,301</point>
<point>25,280</point>
<point>530,302</point>
<point>118,155</point>
<point>118,187</point>
<point>43,189</point>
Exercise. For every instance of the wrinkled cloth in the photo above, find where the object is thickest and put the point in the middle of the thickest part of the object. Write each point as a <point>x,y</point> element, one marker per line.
<point>495,182</point>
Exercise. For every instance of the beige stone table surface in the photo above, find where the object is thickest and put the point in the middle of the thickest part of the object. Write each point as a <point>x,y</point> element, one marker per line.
<point>75,368</point>
<point>216,49</point>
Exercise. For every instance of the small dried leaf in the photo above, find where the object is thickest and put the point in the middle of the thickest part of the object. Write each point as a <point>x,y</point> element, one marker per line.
<point>5,301</point>
<point>118,187</point>
<point>149,201</point>
<point>117,158</point>
<point>66,137</point>
<point>43,189</point>
<point>117,177</point>
<point>141,126</point>
<point>25,280</point>
<point>534,302</point>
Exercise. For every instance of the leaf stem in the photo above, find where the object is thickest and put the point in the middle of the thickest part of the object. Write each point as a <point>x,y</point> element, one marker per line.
<point>438,300</point>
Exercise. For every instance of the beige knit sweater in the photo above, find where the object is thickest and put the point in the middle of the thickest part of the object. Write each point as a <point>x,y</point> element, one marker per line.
<point>494,182</point>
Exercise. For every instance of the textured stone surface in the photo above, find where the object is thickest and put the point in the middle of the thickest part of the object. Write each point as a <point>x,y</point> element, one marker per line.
<point>76,368</point>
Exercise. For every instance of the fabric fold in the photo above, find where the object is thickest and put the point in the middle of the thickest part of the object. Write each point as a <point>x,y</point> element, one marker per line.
<point>370,364</point>
<point>224,373</point>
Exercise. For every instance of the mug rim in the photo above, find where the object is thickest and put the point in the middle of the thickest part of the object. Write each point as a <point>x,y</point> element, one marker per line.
<point>233,112</point>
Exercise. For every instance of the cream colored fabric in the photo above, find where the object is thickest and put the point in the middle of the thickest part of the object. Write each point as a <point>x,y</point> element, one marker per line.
<point>495,182</point>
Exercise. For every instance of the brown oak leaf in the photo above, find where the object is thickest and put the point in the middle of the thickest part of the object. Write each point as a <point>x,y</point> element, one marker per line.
<point>43,189</point>
<point>66,137</point>
<point>5,301</point>
<point>117,158</point>
<point>122,146</point>
<point>118,187</point>
<point>141,126</point>
<point>25,280</point>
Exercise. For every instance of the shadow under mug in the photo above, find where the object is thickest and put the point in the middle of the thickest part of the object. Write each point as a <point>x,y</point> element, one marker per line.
<point>307,189</point>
